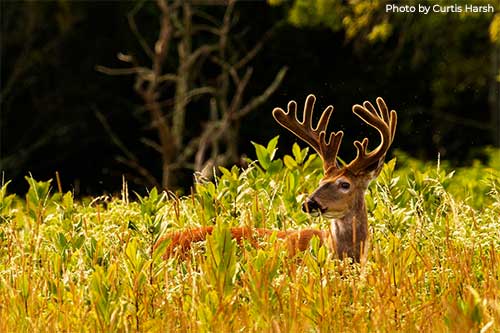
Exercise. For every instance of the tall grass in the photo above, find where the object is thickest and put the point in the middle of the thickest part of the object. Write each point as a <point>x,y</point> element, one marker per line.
<point>89,266</point>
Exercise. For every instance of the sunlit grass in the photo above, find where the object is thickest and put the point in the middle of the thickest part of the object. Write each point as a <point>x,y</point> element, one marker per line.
<point>433,263</point>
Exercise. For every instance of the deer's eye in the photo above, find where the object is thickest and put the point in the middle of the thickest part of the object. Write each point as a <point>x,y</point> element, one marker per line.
<point>345,185</point>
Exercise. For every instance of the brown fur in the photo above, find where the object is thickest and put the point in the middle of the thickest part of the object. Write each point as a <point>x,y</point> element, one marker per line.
<point>297,240</point>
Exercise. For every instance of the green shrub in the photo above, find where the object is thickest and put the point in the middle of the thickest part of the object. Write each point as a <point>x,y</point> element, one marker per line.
<point>91,266</point>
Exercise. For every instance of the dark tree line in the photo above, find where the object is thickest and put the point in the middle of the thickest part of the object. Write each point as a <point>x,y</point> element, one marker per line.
<point>60,112</point>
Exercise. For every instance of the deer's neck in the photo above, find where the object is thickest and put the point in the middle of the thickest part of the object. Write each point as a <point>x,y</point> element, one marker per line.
<point>349,233</point>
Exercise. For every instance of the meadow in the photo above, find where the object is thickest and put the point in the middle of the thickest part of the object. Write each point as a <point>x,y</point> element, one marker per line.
<point>89,265</point>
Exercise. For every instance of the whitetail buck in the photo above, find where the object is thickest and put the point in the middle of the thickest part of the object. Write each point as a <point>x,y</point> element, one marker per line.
<point>340,195</point>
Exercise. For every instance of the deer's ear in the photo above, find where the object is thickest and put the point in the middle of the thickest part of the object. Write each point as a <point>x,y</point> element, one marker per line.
<point>375,167</point>
<point>373,170</point>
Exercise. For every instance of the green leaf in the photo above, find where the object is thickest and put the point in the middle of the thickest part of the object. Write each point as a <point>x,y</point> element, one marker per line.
<point>159,251</point>
<point>38,191</point>
<point>310,160</point>
<point>62,243</point>
<point>225,172</point>
<point>297,153</point>
<point>5,203</point>
<point>262,155</point>
<point>24,286</point>
<point>67,201</point>
<point>271,146</point>
<point>132,226</point>
<point>290,163</point>
<point>221,260</point>
<point>292,182</point>
<point>275,167</point>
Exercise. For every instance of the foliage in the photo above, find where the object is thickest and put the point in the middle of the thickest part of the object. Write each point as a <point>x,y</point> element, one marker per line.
<point>91,266</point>
<point>370,20</point>
<point>409,42</point>
<point>495,29</point>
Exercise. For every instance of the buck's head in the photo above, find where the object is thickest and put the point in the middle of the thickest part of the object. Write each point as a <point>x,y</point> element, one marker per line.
<point>340,187</point>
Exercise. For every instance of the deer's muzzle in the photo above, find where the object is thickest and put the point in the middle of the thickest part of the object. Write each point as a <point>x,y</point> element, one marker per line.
<point>311,206</point>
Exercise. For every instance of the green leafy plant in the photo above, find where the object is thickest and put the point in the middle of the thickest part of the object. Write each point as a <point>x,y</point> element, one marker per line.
<point>90,265</point>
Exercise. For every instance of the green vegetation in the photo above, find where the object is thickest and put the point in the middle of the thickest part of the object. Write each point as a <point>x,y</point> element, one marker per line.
<point>89,266</point>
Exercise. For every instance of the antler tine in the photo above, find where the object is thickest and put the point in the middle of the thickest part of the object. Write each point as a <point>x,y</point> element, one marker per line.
<point>385,123</point>
<point>330,149</point>
<point>315,137</point>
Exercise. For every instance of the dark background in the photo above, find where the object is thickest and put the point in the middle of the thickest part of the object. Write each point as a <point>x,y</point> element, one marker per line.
<point>438,72</point>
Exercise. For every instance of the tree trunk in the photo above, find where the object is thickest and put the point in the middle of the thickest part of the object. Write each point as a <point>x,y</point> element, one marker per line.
<point>183,77</point>
<point>168,147</point>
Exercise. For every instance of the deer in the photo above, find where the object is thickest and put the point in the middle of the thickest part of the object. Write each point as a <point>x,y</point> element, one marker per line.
<point>340,195</point>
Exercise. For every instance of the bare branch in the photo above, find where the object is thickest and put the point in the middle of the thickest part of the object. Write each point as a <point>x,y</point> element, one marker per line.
<point>187,152</point>
<point>202,50</point>
<point>143,71</point>
<point>200,91</point>
<point>145,174</point>
<point>259,100</point>
<point>211,133</point>
<point>240,89</point>
<point>226,26</point>
<point>138,86</point>
<point>161,45</point>
<point>151,144</point>
<point>135,31</point>
<point>234,75</point>
<point>255,50</point>
<point>167,77</point>
<point>227,68</point>
<point>205,28</point>
<point>130,159</point>
<point>126,58</point>
<point>114,137</point>
<point>28,58</point>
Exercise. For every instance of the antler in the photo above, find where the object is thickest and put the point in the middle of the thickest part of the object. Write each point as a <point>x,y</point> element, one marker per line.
<point>314,137</point>
<point>385,123</point>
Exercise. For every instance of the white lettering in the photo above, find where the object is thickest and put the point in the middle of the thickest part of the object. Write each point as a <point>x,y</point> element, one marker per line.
<point>424,9</point>
<point>438,8</point>
<point>447,9</point>
<point>392,8</point>
<point>479,9</point>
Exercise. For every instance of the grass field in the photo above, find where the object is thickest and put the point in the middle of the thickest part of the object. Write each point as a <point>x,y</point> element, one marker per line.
<point>89,265</point>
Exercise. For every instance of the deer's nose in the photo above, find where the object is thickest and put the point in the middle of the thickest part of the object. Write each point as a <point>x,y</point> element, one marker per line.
<point>310,205</point>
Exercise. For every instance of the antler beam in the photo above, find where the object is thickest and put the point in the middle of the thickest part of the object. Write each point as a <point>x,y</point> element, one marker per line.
<point>385,123</point>
<point>315,137</point>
